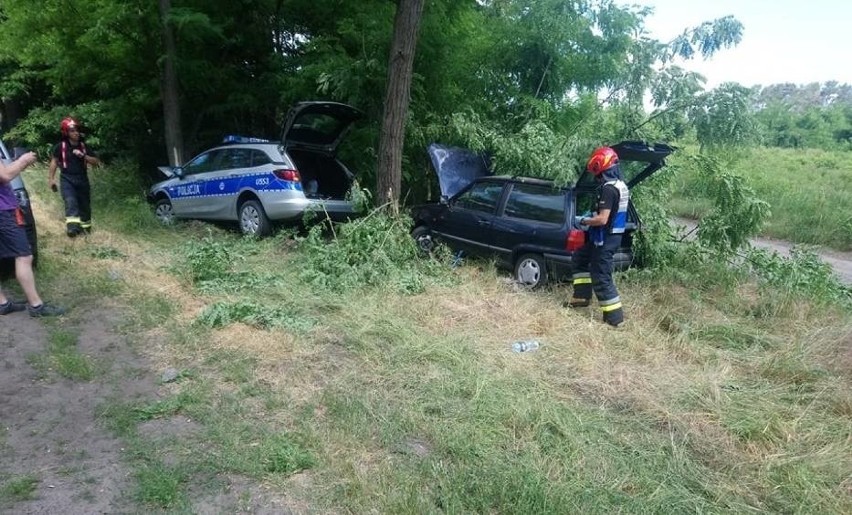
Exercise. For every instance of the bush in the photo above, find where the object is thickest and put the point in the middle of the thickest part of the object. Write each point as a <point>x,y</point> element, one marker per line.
<point>374,251</point>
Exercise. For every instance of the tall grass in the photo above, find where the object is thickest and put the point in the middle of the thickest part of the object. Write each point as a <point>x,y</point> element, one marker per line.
<point>718,395</point>
<point>808,191</point>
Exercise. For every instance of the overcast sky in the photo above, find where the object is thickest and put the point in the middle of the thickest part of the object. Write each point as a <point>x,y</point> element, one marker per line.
<point>798,41</point>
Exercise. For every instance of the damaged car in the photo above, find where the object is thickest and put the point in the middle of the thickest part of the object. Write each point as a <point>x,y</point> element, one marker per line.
<point>527,225</point>
<point>258,182</point>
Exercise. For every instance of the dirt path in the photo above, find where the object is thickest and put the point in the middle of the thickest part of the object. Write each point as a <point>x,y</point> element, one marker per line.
<point>841,262</point>
<point>49,434</point>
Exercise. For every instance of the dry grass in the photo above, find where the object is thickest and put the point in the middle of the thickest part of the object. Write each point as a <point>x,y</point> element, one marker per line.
<point>738,386</point>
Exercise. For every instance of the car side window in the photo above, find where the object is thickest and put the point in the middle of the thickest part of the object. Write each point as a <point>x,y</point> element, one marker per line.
<point>206,162</point>
<point>482,196</point>
<point>259,157</point>
<point>237,158</point>
<point>536,202</point>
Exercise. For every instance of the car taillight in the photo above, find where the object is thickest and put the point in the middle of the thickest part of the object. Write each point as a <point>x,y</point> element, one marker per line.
<point>575,241</point>
<point>287,174</point>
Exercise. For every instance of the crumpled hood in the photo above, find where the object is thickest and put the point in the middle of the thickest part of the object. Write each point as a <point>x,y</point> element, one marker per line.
<point>457,167</point>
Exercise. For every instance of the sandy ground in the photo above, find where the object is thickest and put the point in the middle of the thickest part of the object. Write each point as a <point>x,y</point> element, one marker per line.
<point>48,428</point>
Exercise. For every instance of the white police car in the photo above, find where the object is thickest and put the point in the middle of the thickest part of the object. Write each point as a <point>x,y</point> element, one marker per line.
<point>256,182</point>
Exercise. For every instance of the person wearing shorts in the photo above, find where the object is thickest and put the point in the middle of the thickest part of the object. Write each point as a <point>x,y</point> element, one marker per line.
<point>14,244</point>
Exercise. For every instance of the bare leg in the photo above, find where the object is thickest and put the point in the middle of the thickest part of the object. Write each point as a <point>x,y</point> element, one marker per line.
<point>24,274</point>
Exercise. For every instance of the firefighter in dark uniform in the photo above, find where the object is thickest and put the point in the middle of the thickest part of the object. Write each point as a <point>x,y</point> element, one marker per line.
<point>594,263</point>
<point>72,158</point>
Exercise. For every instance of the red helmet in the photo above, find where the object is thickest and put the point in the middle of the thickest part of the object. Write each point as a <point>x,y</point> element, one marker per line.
<point>601,160</point>
<point>67,123</point>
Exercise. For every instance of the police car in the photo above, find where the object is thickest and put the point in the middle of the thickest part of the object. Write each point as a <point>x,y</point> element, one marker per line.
<point>257,182</point>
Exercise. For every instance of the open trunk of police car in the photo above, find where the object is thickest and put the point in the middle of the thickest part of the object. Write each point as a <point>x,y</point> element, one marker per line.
<point>311,136</point>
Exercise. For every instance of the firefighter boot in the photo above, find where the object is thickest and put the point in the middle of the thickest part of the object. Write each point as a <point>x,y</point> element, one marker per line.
<point>614,317</point>
<point>582,291</point>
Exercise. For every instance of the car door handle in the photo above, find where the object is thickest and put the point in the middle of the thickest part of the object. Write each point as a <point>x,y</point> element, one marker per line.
<point>484,222</point>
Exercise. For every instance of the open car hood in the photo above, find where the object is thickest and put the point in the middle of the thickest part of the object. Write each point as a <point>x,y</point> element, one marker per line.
<point>638,159</point>
<point>457,167</point>
<point>168,171</point>
<point>318,125</point>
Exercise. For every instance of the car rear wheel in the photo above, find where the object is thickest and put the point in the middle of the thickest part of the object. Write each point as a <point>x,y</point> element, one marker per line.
<point>423,238</point>
<point>531,271</point>
<point>253,219</point>
<point>164,212</point>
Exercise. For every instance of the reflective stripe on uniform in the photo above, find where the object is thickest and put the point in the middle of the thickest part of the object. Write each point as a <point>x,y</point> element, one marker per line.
<point>608,302</point>
<point>611,307</point>
<point>582,278</point>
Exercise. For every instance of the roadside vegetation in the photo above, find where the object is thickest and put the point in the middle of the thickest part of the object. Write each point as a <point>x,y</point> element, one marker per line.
<point>807,190</point>
<point>343,373</point>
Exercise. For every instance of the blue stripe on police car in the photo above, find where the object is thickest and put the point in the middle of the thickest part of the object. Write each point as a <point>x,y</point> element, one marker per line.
<point>230,186</point>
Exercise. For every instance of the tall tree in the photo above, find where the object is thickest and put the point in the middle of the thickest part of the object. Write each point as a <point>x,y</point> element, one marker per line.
<point>397,97</point>
<point>171,97</point>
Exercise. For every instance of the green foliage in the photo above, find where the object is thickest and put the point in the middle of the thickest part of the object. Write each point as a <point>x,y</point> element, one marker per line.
<point>738,213</point>
<point>723,117</point>
<point>160,485</point>
<point>210,259</point>
<point>374,251</point>
<point>222,314</point>
<point>63,358</point>
<point>532,71</point>
<point>279,454</point>
<point>807,188</point>
<point>706,39</point>
<point>803,272</point>
<point>807,116</point>
<point>17,489</point>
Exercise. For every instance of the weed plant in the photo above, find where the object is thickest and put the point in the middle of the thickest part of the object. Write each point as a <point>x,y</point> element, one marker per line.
<point>374,251</point>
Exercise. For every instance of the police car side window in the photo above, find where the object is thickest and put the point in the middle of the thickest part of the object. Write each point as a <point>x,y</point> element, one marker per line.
<point>204,163</point>
<point>482,196</point>
<point>259,158</point>
<point>237,158</point>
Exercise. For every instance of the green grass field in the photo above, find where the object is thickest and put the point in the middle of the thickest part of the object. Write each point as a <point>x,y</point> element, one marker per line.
<point>809,191</point>
<point>392,388</point>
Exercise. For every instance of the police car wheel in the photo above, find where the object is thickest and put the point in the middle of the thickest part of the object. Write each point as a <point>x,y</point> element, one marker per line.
<point>164,212</point>
<point>531,271</point>
<point>253,219</point>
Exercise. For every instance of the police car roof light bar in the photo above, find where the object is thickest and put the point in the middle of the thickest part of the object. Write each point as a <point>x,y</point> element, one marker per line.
<point>234,138</point>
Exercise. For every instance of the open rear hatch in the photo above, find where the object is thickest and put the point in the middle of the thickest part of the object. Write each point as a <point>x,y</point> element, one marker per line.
<point>638,160</point>
<point>318,126</point>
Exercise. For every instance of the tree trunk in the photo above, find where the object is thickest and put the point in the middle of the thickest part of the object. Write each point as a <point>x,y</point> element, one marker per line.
<point>397,96</point>
<point>170,92</point>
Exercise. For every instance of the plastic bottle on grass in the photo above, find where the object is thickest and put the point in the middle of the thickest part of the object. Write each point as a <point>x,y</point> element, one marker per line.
<point>525,346</point>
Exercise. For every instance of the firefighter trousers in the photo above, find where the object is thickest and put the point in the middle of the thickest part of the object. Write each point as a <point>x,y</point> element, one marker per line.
<point>76,193</point>
<point>593,267</point>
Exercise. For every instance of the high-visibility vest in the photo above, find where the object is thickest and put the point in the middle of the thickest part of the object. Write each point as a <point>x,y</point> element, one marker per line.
<point>619,221</point>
